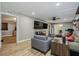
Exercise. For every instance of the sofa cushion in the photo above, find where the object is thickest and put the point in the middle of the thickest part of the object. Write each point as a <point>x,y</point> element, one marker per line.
<point>41,37</point>
<point>74,46</point>
<point>77,40</point>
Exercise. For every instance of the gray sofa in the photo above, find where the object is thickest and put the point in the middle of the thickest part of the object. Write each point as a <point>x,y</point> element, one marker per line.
<point>41,43</point>
<point>74,48</point>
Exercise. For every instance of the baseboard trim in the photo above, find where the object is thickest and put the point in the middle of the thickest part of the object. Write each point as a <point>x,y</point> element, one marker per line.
<point>6,35</point>
<point>23,40</point>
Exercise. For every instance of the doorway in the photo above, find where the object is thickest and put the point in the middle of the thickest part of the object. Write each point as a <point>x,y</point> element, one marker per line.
<point>8,29</point>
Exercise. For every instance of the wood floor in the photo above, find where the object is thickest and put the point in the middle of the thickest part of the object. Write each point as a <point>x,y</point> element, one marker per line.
<point>9,39</point>
<point>21,49</point>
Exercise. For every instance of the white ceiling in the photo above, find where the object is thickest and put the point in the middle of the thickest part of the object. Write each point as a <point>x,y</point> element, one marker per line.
<point>43,10</point>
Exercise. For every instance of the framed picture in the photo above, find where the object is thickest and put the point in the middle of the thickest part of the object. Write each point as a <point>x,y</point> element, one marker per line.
<point>4,26</point>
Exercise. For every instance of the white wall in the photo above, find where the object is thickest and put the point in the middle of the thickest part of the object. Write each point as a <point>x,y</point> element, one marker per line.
<point>11,27</point>
<point>26,29</point>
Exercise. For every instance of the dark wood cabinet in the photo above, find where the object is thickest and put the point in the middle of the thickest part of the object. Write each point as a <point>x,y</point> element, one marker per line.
<point>59,49</point>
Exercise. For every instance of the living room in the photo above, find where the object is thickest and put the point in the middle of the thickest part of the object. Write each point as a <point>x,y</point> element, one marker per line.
<point>38,24</point>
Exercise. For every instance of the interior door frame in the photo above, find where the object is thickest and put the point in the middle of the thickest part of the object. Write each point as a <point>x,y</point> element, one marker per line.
<point>9,14</point>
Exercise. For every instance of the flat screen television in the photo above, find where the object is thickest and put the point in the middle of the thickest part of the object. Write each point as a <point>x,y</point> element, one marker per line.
<point>40,25</point>
<point>44,25</point>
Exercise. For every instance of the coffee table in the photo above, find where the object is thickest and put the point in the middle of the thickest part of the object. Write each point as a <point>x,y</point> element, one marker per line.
<point>59,49</point>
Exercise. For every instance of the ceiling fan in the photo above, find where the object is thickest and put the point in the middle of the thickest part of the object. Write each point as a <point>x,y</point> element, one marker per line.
<point>55,18</point>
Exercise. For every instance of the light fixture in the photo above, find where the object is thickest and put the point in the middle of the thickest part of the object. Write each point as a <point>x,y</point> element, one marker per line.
<point>57,4</point>
<point>14,19</point>
<point>61,25</point>
<point>33,13</point>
